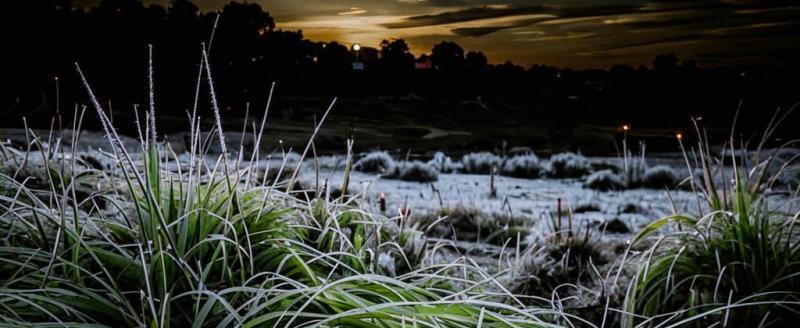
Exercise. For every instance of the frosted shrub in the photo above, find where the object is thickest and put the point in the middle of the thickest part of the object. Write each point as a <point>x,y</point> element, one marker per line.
<point>375,162</point>
<point>290,157</point>
<point>480,163</point>
<point>611,164</point>
<point>660,176</point>
<point>443,163</point>
<point>411,171</point>
<point>569,165</point>
<point>605,180</point>
<point>790,177</point>
<point>334,162</point>
<point>524,166</point>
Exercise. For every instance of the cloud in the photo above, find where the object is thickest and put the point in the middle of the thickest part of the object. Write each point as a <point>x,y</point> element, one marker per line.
<point>465,15</point>
<point>352,11</point>
<point>478,31</point>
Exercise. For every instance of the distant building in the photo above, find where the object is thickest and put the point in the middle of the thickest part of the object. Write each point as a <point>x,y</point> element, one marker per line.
<point>423,62</point>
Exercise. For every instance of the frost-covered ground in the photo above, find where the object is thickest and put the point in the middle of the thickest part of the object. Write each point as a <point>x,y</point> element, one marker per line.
<point>526,200</point>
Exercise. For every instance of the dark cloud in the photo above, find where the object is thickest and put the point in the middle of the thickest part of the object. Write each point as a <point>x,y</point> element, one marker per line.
<point>478,31</point>
<point>466,15</point>
<point>487,12</point>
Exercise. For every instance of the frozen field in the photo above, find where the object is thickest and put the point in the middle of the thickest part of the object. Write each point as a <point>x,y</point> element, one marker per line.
<point>528,201</point>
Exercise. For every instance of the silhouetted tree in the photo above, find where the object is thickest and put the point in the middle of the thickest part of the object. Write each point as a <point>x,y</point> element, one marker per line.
<point>334,57</point>
<point>182,12</point>
<point>665,62</point>
<point>476,61</point>
<point>448,57</point>
<point>395,56</point>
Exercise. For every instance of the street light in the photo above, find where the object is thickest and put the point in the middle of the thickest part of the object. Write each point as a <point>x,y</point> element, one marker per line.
<point>357,65</point>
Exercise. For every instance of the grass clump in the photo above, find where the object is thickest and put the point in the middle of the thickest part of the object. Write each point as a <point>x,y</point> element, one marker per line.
<point>374,162</point>
<point>738,266</point>
<point>414,171</point>
<point>522,166</point>
<point>443,163</point>
<point>790,177</point>
<point>466,223</point>
<point>480,163</point>
<point>569,165</point>
<point>555,264</point>
<point>735,262</point>
<point>605,180</point>
<point>660,176</point>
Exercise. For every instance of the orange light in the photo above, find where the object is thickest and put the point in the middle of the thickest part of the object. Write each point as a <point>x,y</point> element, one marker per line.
<point>626,127</point>
<point>679,136</point>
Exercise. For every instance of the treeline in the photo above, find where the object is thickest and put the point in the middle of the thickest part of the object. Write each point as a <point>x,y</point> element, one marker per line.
<point>43,38</point>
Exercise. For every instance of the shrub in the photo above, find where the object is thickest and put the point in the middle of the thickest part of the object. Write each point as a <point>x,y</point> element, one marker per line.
<point>290,157</point>
<point>334,162</point>
<point>614,225</point>
<point>480,163</point>
<point>375,162</point>
<point>660,176</point>
<point>613,165</point>
<point>524,166</point>
<point>790,177</point>
<point>587,207</point>
<point>415,171</point>
<point>604,181</point>
<point>569,165</point>
<point>443,163</point>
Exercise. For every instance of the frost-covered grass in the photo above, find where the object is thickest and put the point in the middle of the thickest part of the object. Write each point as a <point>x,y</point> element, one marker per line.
<point>523,166</point>
<point>141,236</point>
<point>605,180</point>
<point>790,177</point>
<point>480,163</point>
<point>375,162</point>
<point>167,240</point>
<point>661,176</point>
<point>444,164</point>
<point>569,165</point>
<point>738,261</point>
<point>411,171</point>
<point>340,246</point>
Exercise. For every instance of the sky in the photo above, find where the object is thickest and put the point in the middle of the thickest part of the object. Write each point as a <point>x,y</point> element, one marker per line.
<point>566,33</point>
